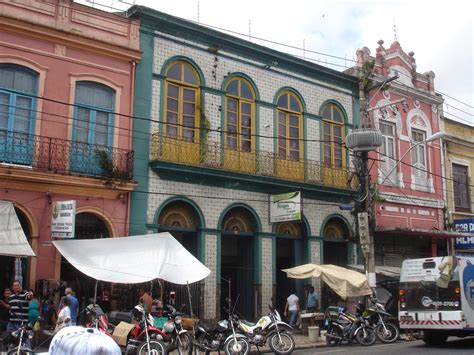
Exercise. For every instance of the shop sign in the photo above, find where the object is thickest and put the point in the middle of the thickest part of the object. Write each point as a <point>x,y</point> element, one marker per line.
<point>285,207</point>
<point>63,219</point>
<point>464,226</point>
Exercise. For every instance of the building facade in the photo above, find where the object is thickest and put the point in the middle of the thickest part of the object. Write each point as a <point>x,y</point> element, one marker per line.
<point>66,89</point>
<point>459,161</point>
<point>231,123</point>
<point>406,171</point>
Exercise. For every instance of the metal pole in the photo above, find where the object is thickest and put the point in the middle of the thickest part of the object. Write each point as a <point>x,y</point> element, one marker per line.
<point>95,292</point>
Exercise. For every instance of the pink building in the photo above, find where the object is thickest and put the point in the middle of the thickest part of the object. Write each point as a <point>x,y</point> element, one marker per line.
<point>66,101</point>
<point>408,207</point>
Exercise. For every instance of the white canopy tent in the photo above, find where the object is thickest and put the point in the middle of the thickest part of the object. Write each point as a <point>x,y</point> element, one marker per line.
<point>13,240</point>
<point>135,259</point>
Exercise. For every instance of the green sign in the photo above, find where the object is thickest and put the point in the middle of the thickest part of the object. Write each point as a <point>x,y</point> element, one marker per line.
<point>285,207</point>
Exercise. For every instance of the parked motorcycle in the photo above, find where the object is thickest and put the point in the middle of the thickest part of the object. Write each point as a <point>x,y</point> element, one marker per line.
<point>144,339</point>
<point>384,324</point>
<point>347,327</point>
<point>179,338</point>
<point>23,337</point>
<point>271,328</point>
<point>222,336</point>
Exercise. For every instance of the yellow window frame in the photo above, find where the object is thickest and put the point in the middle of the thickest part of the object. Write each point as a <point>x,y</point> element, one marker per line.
<point>240,100</point>
<point>287,112</point>
<point>332,144</point>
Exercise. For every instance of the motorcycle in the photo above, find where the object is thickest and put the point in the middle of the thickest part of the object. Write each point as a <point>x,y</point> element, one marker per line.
<point>179,338</point>
<point>386,330</point>
<point>223,336</point>
<point>271,328</point>
<point>144,339</point>
<point>348,327</point>
<point>24,335</point>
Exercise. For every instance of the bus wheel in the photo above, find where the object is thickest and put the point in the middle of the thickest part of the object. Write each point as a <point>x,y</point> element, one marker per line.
<point>434,338</point>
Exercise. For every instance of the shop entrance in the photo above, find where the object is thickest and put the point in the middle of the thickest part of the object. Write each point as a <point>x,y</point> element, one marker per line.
<point>16,268</point>
<point>237,261</point>
<point>289,253</point>
<point>88,226</point>
<point>335,251</point>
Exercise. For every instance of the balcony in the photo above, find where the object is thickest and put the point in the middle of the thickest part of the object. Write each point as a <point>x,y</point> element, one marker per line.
<point>65,157</point>
<point>242,163</point>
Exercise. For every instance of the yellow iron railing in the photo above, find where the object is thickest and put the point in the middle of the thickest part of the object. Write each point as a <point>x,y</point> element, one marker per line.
<point>213,155</point>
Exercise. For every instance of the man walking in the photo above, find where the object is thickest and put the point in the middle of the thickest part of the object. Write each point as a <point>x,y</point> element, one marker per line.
<point>293,308</point>
<point>73,305</point>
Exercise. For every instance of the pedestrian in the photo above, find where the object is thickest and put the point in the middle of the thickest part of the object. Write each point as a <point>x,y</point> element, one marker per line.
<point>312,300</point>
<point>74,305</point>
<point>146,300</point>
<point>33,308</point>
<point>18,303</point>
<point>292,307</point>
<point>4,311</point>
<point>64,316</point>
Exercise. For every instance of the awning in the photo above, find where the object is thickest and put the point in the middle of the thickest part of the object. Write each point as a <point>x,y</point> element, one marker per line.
<point>391,271</point>
<point>13,240</point>
<point>420,232</point>
<point>134,259</point>
<point>344,282</point>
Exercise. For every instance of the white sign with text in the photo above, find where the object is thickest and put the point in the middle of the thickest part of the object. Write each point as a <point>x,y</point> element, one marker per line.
<point>63,219</point>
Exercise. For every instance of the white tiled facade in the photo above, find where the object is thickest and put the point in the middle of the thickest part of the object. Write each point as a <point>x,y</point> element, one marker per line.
<point>215,69</point>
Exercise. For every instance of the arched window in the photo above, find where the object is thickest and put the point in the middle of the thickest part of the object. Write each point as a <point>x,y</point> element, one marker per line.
<point>333,137</point>
<point>182,101</point>
<point>93,126</point>
<point>289,131</point>
<point>239,115</point>
<point>18,88</point>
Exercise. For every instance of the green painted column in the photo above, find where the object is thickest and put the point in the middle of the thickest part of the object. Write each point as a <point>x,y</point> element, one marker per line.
<point>141,135</point>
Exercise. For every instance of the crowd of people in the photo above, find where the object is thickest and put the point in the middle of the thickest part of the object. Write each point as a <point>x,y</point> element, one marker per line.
<point>19,306</point>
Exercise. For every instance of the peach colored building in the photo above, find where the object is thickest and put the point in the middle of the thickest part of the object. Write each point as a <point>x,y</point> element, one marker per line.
<point>408,208</point>
<point>66,101</point>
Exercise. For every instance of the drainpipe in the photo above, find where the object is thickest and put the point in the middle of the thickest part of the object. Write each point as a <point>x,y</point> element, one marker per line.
<point>130,145</point>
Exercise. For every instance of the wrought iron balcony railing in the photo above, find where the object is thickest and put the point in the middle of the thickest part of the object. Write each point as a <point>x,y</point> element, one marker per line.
<point>212,155</point>
<point>65,157</point>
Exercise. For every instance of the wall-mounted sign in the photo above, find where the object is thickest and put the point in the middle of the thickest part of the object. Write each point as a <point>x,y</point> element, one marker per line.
<point>464,226</point>
<point>285,207</point>
<point>63,219</point>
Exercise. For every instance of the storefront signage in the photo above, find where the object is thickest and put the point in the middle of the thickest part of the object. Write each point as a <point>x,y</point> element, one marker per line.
<point>464,226</point>
<point>63,219</point>
<point>285,207</point>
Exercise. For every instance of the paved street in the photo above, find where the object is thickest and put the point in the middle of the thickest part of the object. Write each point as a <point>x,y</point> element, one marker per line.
<point>454,345</point>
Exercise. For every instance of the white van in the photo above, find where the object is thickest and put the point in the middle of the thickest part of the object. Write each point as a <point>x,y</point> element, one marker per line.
<point>437,296</point>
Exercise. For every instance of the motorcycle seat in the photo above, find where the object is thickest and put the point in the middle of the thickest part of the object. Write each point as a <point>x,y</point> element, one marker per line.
<point>246,322</point>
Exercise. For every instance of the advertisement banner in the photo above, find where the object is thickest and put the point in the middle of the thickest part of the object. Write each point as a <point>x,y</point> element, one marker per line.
<point>63,219</point>
<point>285,207</point>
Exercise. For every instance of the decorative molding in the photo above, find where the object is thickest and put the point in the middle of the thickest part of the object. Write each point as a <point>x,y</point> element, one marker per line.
<point>410,200</point>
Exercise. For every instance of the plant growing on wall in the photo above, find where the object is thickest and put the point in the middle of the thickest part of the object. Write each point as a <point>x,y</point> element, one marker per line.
<point>205,128</point>
<point>106,164</point>
<point>366,73</point>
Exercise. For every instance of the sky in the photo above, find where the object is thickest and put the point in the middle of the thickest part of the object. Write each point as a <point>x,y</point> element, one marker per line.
<point>439,32</point>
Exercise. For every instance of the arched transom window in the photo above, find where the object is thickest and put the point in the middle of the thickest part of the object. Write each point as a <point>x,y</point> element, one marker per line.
<point>333,136</point>
<point>290,117</point>
<point>182,101</point>
<point>239,115</point>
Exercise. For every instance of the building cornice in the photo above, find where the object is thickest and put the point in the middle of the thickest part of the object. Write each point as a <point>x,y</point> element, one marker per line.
<point>68,39</point>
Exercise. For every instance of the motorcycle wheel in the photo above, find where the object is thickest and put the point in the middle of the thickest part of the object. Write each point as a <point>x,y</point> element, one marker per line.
<point>240,346</point>
<point>390,336</point>
<point>156,348</point>
<point>365,336</point>
<point>331,341</point>
<point>285,344</point>
<point>184,344</point>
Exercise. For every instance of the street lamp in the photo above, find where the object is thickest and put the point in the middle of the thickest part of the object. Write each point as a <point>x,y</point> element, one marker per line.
<point>435,136</point>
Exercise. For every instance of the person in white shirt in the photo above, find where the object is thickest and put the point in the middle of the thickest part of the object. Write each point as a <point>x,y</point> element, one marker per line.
<point>293,308</point>
<point>64,316</point>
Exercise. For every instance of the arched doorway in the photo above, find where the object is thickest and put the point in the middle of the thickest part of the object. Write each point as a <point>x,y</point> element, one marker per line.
<point>289,253</point>
<point>16,268</point>
<point>88,226</point>
<point>335,251</point>
<point>182,221</point>
<point>237,259</point>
